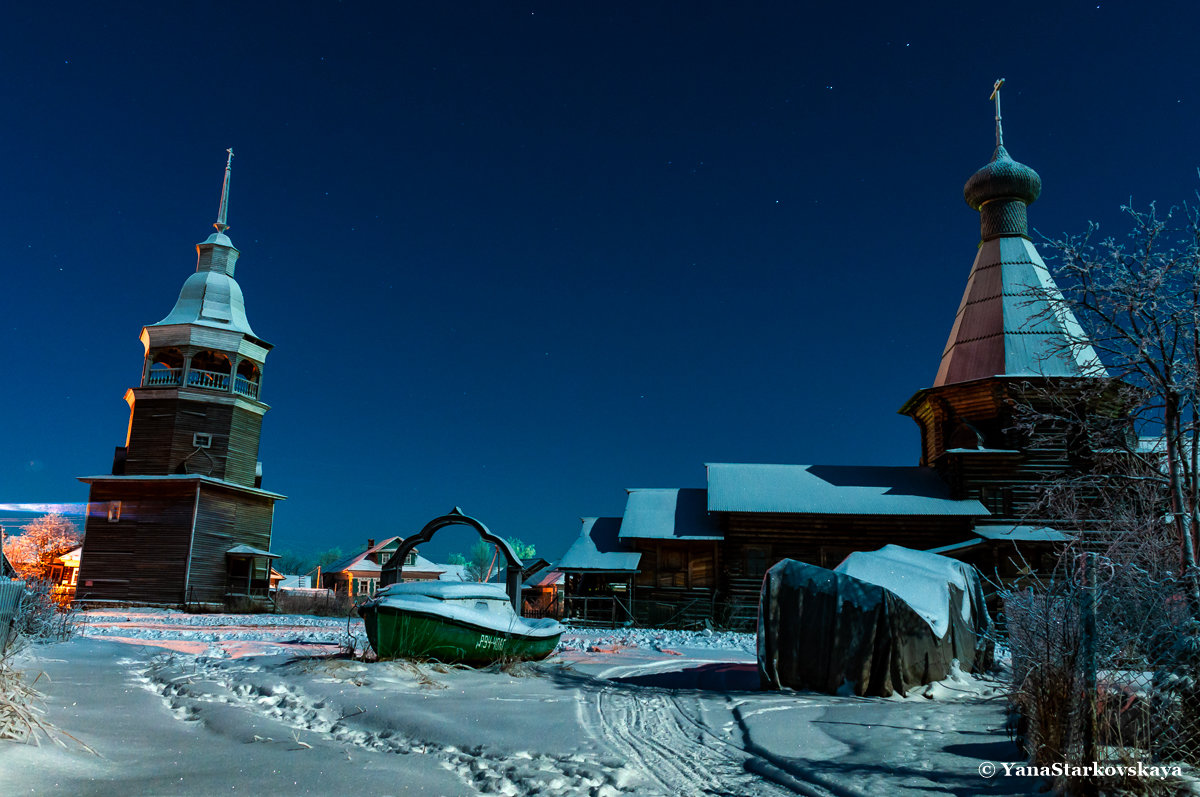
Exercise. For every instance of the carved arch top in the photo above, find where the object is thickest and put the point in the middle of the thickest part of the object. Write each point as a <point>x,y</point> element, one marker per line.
<point>392,569</point>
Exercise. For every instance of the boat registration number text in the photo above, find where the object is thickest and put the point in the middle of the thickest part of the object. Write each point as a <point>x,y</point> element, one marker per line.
<point>489,643</point>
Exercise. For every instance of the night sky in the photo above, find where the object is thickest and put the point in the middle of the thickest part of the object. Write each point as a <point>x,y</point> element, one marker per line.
<point>519,257</point>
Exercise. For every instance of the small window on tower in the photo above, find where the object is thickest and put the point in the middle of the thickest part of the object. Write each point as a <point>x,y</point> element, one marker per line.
<point>202,440</point>
<point>114,511</point>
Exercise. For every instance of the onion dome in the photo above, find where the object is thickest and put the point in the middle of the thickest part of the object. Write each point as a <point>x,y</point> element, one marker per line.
<point>1000,191</point>
<point>1002,178</point>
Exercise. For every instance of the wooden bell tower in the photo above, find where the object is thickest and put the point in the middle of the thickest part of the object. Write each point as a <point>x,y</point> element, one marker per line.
<point>183,519</point>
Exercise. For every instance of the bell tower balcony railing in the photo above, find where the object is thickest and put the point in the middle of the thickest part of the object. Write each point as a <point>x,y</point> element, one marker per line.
<point>245,387</point>
<point>164,376</point>
<point>208,380</point>
<point>213,380</point>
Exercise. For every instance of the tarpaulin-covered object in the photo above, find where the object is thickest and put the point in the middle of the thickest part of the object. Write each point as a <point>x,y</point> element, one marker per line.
<point>827,631</point>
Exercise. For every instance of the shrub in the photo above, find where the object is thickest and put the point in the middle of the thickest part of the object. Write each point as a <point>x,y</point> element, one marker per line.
<point>321,603</point>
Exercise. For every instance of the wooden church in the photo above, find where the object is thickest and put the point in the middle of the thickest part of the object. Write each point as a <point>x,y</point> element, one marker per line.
<point>183,519</point>
<point>690,555</point>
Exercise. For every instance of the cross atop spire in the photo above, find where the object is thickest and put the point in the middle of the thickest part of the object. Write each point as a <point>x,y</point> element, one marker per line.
<point>223,211</point>
<point>996,96</point>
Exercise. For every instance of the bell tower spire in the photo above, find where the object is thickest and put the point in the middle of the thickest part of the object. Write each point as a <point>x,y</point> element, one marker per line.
<point>995,96</point>
<point>223,210</point>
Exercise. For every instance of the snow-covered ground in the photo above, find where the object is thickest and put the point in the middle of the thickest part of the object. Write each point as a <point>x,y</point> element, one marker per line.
<point>175,703</point>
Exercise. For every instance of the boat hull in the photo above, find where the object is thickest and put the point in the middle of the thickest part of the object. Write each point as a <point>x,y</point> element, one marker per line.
<point>398,633</point>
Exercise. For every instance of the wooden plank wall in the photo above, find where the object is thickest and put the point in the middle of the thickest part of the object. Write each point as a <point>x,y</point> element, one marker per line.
<point>1009,486</point>
<point>754,542</point>
<point>161,438</point>
<point>225,518</point>
<point>141,557</point>
<point>676,583</point>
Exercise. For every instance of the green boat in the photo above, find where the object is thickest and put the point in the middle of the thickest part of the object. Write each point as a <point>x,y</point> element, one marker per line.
<point>449,621</point>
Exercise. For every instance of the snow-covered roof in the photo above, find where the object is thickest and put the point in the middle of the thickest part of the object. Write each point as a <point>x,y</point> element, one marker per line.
<point>1011,321</point>
<point>184,477</point>
<point>545,578</point>
<point>357,561</point>
<point>598,548</point>
<point>72,556</point>
<point>247,550</point>
<point>1020,533</point>
<point>423,565</point>
<point>453,573</point>
<point>668,514</point>
<point>362,565</point>
<point>833,490</point>
<point>956,546</point>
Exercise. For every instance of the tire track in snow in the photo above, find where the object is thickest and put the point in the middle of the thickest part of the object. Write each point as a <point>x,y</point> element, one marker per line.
<point>679,754</point>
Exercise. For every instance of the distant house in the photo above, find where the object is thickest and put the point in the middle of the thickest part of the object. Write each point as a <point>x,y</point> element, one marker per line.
<point>286,582</point>
<point>541,594</point>
<point>64,575</point>
<point>357,575</point>
<point>599,571</point>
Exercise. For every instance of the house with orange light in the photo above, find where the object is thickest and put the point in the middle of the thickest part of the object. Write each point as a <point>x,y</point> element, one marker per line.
<point>64,575</point>
<point>358,575</point>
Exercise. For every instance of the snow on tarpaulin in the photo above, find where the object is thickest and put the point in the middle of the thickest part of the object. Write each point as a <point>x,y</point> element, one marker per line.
<point>923,580</point>
<point>827,631</point>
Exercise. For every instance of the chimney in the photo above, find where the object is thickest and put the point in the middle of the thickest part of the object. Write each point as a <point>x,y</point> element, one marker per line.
<point>370,543</point>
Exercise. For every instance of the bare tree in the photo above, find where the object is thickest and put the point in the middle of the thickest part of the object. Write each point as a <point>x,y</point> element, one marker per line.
<point>483,559</point>
<point>1139,301</point>
<point>1124,600</point>
<point>44,539</point>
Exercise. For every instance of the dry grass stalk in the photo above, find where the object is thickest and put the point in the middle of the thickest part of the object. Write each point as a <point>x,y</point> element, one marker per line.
<point>21,711</point>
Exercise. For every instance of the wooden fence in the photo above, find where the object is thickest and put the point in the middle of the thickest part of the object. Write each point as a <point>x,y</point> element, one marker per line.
<point>11,593</point>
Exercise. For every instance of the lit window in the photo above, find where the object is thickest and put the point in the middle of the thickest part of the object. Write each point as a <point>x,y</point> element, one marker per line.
<point>114,511</point>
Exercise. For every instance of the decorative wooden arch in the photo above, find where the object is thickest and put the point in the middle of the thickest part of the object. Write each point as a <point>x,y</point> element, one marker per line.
<point>395,565</point>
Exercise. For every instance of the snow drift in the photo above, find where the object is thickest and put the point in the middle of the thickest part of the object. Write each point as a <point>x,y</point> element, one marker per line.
<point>884,621</point>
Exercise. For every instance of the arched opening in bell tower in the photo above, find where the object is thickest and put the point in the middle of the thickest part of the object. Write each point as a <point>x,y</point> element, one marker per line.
<point>210,370</point>
<point>166,367</point>
<point>248,375</point>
